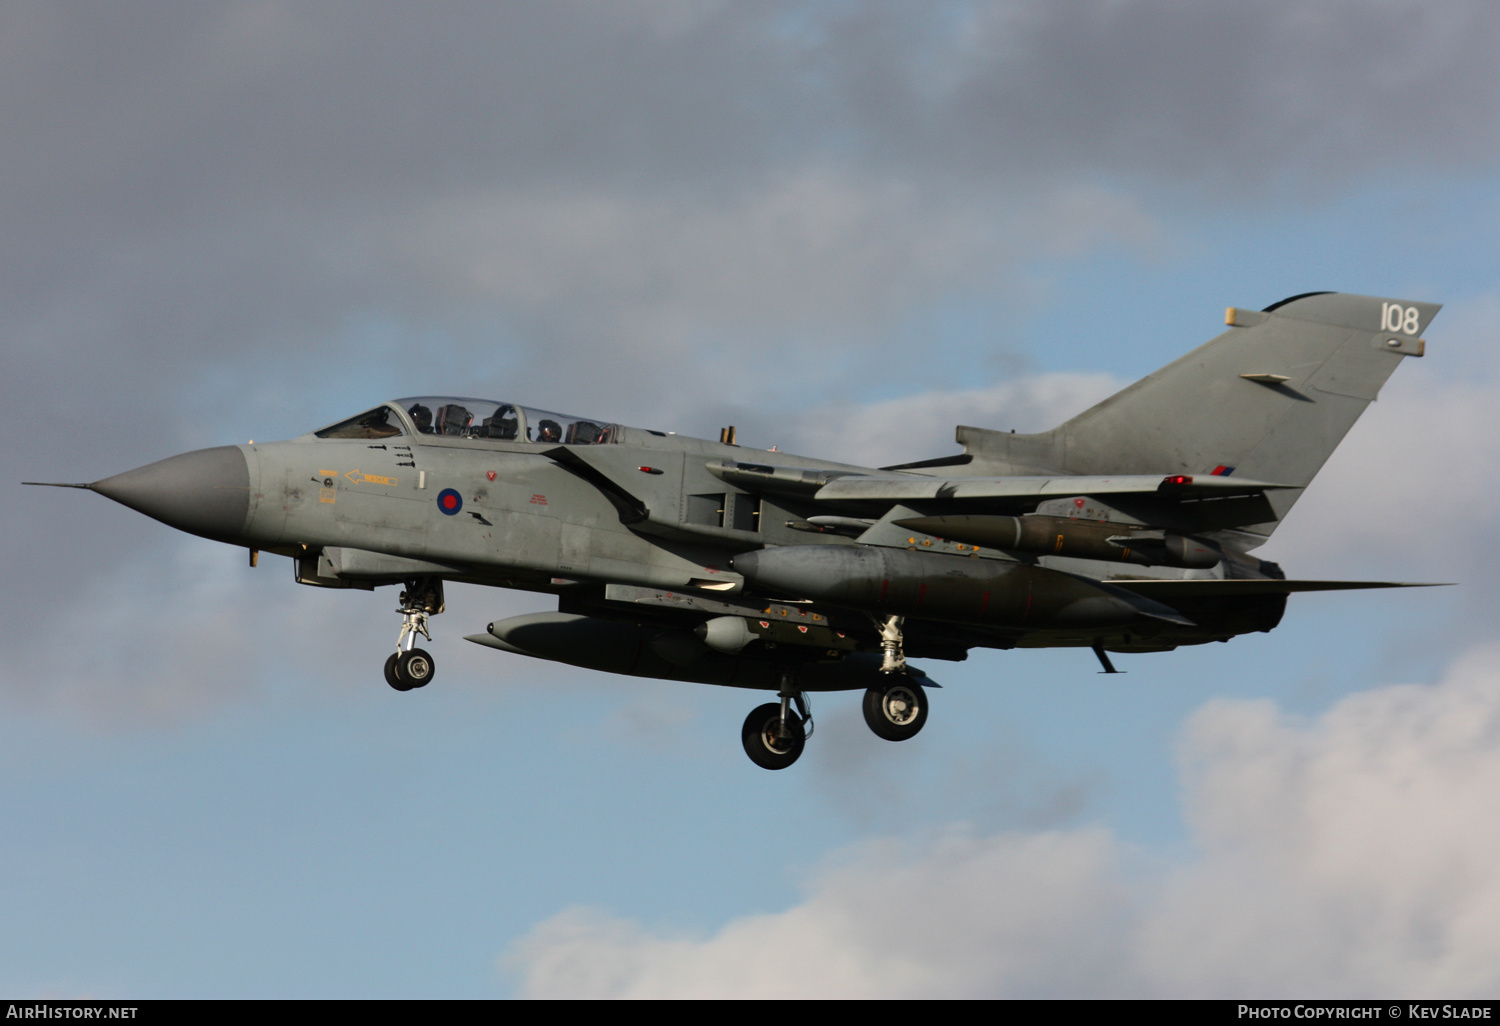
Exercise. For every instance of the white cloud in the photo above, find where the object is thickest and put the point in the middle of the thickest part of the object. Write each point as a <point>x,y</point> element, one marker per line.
<point>1352,855</point>
<point>890,923</point>
<point>921,426</point>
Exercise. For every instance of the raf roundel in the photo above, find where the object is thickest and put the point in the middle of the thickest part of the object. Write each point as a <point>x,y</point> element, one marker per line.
<point>449,501</point>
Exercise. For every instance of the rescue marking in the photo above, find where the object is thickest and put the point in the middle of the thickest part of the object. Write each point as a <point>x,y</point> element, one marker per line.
<point>539,500</point>
<point>356,477</point>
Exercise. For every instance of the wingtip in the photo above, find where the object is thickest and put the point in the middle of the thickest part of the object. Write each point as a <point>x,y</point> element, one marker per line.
<point>60,484</point>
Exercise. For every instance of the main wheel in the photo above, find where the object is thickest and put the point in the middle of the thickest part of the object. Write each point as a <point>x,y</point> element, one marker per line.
<point>392,676</point>
<point>770,744</point>
<point>896,711</point>
<point>415,667</point>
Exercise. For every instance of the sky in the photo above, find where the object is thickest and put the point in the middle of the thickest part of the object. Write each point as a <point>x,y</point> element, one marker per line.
<point>844,228</point>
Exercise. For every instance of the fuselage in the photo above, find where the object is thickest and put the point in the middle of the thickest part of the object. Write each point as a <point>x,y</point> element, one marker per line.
<point>504,500</point>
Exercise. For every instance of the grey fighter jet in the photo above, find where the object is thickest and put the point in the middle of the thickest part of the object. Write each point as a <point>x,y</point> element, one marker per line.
<point>1129,528</point>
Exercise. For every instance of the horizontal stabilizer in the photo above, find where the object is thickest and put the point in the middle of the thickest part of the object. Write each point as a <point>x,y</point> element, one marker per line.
<point>1166,591</point>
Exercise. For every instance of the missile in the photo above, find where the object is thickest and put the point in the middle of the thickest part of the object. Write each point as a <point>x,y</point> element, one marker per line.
<point>938,586</point>
<point>1064,536</point>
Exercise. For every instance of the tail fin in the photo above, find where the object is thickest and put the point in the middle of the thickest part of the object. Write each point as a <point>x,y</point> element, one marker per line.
<point>1269,399</point>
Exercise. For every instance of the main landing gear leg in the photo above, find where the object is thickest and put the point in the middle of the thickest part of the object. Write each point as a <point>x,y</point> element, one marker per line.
<point>896,708</point>
<point>411,667</point>
<point>774,735</point>
<point>893,658</point>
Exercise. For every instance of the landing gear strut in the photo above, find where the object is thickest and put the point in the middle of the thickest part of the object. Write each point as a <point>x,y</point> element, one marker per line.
<point>896,708</point>
<point>411,667</point>
<point>893,658</point>
<point>773,734</point>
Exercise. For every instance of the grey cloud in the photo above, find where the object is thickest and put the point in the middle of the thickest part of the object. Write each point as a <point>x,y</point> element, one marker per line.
<point>219,187</point>
<point>187,108</point>
<point>1214,96</point>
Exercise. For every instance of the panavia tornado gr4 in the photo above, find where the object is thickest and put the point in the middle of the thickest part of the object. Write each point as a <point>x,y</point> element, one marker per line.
<point>1129,528</point>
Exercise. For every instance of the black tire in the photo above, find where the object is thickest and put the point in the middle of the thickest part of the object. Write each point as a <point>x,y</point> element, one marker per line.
<point>896,711</point>
<point>415,667</point>
<point>392,677</point>
<point>762,740</point>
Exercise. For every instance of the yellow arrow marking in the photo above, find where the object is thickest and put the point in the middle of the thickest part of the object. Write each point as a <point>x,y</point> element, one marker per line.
<point>355,477</point>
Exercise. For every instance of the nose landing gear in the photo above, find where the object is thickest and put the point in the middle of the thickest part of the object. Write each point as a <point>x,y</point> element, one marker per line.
<point>411,667</point>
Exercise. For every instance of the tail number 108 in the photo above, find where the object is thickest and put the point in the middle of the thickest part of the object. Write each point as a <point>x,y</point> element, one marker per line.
<point>1395,317</point>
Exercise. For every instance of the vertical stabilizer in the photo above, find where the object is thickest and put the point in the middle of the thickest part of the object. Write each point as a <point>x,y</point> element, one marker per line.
<point>1269,399</point>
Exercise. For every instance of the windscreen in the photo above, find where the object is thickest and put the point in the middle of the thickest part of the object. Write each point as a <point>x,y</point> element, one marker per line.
<point>380,422</point>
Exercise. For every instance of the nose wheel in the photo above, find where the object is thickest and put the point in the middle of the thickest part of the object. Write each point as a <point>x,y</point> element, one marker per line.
<point>410,667</point>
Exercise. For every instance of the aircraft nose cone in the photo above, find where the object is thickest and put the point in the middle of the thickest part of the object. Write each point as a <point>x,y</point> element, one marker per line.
<point>206,492</point>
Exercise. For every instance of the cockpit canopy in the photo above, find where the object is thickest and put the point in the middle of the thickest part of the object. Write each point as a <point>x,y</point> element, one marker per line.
<point>472,418</point>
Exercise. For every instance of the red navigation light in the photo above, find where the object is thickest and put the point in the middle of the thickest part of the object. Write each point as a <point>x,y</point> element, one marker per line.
<point>648,470</point>
<point>1178,479</point>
